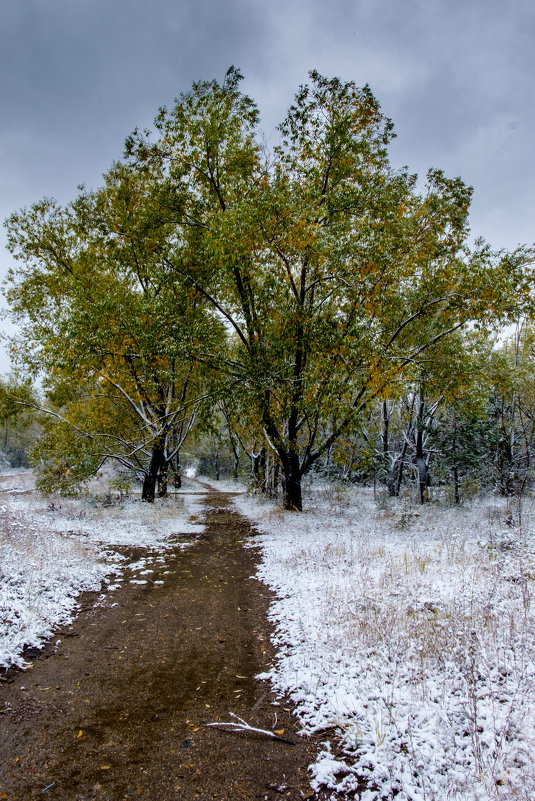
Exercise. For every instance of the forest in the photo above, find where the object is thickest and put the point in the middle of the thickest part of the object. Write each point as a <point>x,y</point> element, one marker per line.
<point>281,311</point>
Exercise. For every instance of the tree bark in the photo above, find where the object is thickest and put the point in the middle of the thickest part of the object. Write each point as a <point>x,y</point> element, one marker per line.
<point>157,459</point>
<point>291,484</point>
<point>258,463</point>
<point>176,472</point>
<point>456,490</point>
<point>454,468</point>
<point>420,461</point>
<point>396,475</point>
<point>163,481</point>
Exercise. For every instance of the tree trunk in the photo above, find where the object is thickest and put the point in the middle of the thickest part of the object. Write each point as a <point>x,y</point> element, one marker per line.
<point>176,472</point>
<point>275,479</point>
<point>455,474</point>
<point>396,474</point>
<point>386,445</point>
<point>258,461</point>
<point>454,469</point>
<point>162,481</point>
<point>423,479</point>
<point>420,462</point>
<point>157,459</point>
<point>392,482</point>
<point>291,485</point>
<point>177,479</point>
<point>236,458</point>
<point>217,466</point>
<point>505,466</point>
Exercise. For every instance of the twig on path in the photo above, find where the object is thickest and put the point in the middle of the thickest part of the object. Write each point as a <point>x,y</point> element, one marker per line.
<point>244,726</point>
<point>258,703</point>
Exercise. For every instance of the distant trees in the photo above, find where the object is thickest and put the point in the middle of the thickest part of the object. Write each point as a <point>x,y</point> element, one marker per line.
<point>303,289</point>
<point>18,429</point>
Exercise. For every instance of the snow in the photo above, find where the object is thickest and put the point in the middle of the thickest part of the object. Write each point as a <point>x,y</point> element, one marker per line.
<point>405,635</point>
<point>52,549</point>
<point>408,633</point>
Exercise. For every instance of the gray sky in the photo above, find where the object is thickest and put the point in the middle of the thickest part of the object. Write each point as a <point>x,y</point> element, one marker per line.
<point>456,77</point>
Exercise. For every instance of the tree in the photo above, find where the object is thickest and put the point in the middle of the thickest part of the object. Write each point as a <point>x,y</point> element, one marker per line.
<point>512,407</point>
<point>115,344</point>
<point>333,274</point>
<point>329,273</point>
<point>19,426</point>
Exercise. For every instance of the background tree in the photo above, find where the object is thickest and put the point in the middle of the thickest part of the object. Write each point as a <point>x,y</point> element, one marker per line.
<point>19,429</point>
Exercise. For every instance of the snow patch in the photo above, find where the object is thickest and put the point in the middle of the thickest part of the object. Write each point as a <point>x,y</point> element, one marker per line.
<point>409,632</point>
<point>52,549</point>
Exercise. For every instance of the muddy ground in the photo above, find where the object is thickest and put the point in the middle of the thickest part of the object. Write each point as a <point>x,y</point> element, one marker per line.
<point>118,710</point>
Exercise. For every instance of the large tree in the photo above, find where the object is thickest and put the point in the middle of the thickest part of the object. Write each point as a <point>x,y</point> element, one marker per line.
<point>331,270</point>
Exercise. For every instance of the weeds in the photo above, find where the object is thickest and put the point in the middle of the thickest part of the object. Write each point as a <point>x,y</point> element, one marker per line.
<point>427,633</point>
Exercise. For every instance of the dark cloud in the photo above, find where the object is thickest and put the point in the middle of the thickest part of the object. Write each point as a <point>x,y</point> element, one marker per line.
<point>455,76</point>
<point>79,74</point>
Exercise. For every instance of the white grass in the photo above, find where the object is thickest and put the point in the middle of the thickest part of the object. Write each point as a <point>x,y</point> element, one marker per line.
<point>410,633</point>
<point>52,549</point>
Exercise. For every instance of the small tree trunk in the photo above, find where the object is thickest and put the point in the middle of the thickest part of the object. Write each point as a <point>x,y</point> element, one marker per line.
<point>157,459</point>
<point>236,458</point>
<point>162,481</point>
<point>456,492</point>
<point>392,482</point>
<point>276,469</point>
<point>291,485</point>
<point>454,470</point>
<point>423,479</point>
<point>421,464</point>
<point>176,472</point>
<point>384,437</point>
<point>396,474</point>
<point>258,463</point>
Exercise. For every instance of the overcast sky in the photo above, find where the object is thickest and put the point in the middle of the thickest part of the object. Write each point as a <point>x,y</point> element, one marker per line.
<point>456,77</point>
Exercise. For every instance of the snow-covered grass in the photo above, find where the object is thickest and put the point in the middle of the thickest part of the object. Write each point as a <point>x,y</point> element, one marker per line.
<point>52,549</point>
<point>405,634</point>
<point>408,633</point>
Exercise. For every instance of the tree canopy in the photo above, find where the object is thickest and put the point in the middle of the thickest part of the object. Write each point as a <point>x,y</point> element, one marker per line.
<point>306,282</point>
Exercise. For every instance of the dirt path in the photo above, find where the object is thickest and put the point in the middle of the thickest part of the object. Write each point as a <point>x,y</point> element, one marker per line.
<point>140,679</point>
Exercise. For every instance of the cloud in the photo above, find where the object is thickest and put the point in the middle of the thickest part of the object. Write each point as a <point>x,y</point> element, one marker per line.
<point>456,77</point>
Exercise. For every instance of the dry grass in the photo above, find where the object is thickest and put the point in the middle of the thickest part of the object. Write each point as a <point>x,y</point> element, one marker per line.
<point>417,639</point>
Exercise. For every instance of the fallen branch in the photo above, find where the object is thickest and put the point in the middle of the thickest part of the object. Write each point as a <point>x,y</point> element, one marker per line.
<point>245,727</point>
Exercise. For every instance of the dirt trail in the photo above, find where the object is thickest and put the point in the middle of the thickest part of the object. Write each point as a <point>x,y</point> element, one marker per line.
<point>140,679</point>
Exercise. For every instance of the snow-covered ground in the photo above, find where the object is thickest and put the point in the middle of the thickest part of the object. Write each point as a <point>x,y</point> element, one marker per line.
<point>407,635</point>
<point>52,549</point>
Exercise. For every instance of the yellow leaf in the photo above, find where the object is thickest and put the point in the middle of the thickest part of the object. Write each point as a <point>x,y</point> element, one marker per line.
<point>105,767</point>
<point>79,734</point>
<point>196,728</point>
<point>278,731</point>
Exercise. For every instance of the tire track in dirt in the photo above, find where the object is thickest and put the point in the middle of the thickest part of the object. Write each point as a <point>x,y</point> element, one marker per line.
<point>140,679</point>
